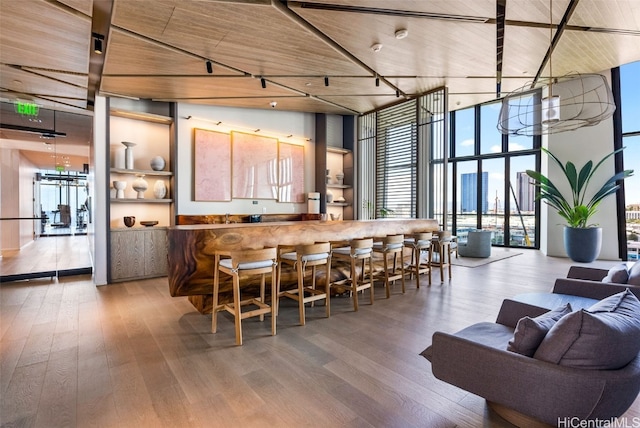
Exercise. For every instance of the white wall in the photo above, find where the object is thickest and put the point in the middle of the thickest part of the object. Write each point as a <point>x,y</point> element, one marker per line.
<point>16,192</point>
<point>100,192</point>
<point>579,146</point>
<point>272,123</point>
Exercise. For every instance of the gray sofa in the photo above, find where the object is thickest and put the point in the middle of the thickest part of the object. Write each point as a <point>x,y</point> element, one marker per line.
<point>476,359</point>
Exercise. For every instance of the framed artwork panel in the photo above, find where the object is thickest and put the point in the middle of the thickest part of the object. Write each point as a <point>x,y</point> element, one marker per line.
<point>212,166</point>
<point>290,173</point>
<point>254,166</point>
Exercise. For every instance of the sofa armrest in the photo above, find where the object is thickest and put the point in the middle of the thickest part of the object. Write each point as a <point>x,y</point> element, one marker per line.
<point>511,311</point>
<point>591,289</point>
<point>536,388</point>
<point>588,273</point>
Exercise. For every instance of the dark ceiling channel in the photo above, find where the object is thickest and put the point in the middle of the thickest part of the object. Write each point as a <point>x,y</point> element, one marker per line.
<point>100,23</point>
<point>501,6</point>
<point>573,4</point>
<point>388,12</point>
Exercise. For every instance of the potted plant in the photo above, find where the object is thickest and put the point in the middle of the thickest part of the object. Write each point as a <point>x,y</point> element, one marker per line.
<point>582,240</point>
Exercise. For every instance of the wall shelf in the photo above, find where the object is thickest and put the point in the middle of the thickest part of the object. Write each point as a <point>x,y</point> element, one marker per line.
<point>140,201</point>
<point>338,186</point>
<point>140,171</point>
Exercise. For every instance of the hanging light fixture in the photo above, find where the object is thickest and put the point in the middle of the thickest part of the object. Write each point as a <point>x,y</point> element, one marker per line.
<point>556,104</point>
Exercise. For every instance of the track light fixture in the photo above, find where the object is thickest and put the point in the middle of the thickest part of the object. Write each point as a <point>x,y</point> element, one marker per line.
<point>209,67</point>
<point>97,43</point>
<point>326,80</point>
<point>377,81</point>
<point>263,82</point>
<point>397,94</point>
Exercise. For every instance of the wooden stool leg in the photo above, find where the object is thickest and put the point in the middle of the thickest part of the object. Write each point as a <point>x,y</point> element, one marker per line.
<point>262,284</point>
<point>277,303</point>
<point>216,288</point>
<point>370,278</point>
<point>300,269</point>
<point>354,284</point>
<point>387,286</point>
<point>449,262</point>
<point>237,309</point>
<point>274,301</point>
<point>401,271</point>
<point>327,290</point>
<point>313,282</point>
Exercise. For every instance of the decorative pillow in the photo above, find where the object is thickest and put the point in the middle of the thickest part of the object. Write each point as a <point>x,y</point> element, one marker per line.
<point>617,274</point>
<point>634,274</point>
<point>529,331</point>
<point>604,337</point>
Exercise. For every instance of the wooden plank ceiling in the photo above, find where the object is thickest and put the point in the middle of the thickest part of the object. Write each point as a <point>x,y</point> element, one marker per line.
<point>157,49</point>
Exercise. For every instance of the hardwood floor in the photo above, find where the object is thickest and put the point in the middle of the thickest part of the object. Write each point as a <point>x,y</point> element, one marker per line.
<point>128,354</point>
<point>48,253</point>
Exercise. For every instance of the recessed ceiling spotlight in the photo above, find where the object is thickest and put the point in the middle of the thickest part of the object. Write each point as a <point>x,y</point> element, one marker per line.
<point>307,84</point>
<point>402,33</point>
<point>376,47</point>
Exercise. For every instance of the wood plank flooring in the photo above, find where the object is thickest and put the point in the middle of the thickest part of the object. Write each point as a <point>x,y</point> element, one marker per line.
<point>47,254</point>
<point>128,354</point>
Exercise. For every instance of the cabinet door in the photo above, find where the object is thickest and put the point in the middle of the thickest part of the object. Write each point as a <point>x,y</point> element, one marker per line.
<point>127,254</point>
<point>155,251</point>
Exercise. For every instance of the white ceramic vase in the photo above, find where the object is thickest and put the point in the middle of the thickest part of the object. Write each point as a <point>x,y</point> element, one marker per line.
<point>329,196</point>
<point>140,185</point>
<point>119,186</point>
<point>128,154</point>
<point>159,189</point>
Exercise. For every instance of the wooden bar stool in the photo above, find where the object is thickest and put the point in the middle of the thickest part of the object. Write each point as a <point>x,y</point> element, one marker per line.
<point>391,246</point>
<point>301,257</point>
<point>442,248</point>
<point>357,250</point>
<point>419,243</point>
<point>241,264</point>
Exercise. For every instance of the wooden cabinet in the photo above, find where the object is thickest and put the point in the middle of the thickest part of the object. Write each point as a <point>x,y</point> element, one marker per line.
<point>138,253</point>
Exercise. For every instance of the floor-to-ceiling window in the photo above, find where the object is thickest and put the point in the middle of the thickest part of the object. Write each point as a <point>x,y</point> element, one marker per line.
<point>630,109</point>
<point>492,191</point>
<point>401,152</point>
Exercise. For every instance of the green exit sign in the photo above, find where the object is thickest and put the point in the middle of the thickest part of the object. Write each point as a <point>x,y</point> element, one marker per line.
<point>26,109</point>
<point>59,168</point>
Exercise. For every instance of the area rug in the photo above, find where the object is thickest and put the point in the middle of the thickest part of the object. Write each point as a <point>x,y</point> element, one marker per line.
<point>497,254</point>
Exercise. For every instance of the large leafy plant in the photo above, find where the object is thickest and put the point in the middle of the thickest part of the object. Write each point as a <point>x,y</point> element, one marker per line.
<point>574,209</point>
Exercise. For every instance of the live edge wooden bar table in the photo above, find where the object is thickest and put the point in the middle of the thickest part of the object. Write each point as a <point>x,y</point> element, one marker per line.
<point>192,247</point>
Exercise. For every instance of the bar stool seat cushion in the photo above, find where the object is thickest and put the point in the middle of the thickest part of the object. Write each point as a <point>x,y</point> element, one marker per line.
<point>305,258</point>
<point>379,246</point>
<point>246,266</point>
<point>347,250</point>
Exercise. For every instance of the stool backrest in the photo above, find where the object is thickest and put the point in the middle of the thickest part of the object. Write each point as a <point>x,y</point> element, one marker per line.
<point>361,247</point>
<point>317,248</point>
<point>422,239</point>
<point>249,256</point>
<point>393,242</point>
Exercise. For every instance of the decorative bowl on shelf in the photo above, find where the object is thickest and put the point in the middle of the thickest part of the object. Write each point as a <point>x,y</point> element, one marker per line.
<point>340,199</point>
<point>149,223</point>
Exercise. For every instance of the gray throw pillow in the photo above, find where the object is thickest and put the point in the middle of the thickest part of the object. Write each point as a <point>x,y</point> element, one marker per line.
<point>529,331</point>
<point>617,274</point>
<point>604,337</point>
<point>634,274</point>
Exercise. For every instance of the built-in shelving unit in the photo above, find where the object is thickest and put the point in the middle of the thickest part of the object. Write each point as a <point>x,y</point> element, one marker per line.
<point>334,144</point>
<point>140,252</point>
